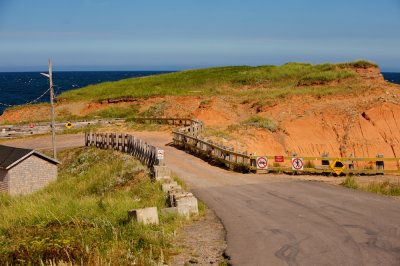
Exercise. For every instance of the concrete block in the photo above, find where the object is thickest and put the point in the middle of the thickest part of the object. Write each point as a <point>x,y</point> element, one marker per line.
<point>144,216</point>
<point>188,202</point>
<point>161,172</point>
<point>175,195</point>
<point>182,211</point>
<point>166,187</point>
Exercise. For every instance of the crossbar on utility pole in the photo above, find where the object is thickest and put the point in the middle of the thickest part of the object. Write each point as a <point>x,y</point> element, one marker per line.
<point>53,130</point>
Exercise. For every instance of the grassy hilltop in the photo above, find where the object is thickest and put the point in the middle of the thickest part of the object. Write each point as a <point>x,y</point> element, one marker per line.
<point>225,81</point>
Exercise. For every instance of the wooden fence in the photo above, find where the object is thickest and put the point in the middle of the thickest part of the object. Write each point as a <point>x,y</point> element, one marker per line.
<point>126,143</point>
<point>169,121</point>
<point>189,138</point>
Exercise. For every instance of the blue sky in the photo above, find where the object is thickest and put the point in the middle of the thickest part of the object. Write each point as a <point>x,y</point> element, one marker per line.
<point>181,34</point>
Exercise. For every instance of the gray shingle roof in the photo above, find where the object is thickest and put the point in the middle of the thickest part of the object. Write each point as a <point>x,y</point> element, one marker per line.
<point>10,156</point>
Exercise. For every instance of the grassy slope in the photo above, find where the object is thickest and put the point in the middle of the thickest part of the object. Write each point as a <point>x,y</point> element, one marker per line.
<point>384,188</point>
<point>222,81</point>
<point>82,218</point>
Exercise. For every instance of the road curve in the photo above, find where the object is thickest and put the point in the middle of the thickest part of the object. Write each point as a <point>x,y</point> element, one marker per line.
<point>276,220</point>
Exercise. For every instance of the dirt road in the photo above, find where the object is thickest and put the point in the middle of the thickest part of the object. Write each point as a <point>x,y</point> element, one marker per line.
<point>277,220</point>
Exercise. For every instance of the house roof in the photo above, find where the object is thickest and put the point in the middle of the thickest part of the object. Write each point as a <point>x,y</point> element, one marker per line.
<point>11,156</point>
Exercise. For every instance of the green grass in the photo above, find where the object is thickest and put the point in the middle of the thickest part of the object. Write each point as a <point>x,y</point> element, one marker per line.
<point>323,77</point>
<point>358,64</point>
<point>219,81</point>
<point>82,217</point>
<point>350,182</point>
<point>260,122</point>
<point>384,188</point>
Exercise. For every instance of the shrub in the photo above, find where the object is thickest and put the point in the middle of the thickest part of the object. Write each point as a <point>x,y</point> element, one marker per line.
<point>309,164</point>
<point>260,122</point>
<point>359,64</point>
<point>350,182</point>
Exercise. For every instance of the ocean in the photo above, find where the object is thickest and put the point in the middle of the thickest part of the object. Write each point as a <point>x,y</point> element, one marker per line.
<point>22,87</point>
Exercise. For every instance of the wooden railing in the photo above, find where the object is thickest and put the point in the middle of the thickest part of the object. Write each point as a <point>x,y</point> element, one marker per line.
<point>189,138</point>
<point>126,143</point>
<point>162,120</point>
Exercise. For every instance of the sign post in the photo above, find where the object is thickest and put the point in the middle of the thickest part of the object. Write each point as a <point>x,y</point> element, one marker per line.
<point>160,157</point>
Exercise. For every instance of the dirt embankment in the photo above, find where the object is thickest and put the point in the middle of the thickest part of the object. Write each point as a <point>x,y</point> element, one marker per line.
<point>362,122</point>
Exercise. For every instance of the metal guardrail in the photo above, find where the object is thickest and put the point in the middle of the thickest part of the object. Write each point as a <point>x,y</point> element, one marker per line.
<point>188,137</point>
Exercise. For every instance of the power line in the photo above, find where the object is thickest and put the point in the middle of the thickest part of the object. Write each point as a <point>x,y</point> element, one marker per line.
<point>30,102</point>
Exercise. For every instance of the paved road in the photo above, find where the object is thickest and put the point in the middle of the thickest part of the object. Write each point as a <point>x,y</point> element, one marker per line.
<point>277,220</point>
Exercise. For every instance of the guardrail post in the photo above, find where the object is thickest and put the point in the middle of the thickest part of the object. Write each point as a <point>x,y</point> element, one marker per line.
<point>325,162</point>
<point>351,163</point>
<point>380,165</point>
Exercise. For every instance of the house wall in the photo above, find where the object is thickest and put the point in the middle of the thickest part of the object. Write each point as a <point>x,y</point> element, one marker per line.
<point>3,181</point>
<point>30,175</point>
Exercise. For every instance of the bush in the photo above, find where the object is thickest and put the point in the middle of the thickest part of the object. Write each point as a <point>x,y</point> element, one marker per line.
<point>309,164</point>
<point>260,122</point>
<point>350,182</point>
<point>359,64</point>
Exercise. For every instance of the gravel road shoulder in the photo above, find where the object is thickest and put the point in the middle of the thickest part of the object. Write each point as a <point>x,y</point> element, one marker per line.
<point>202,242</point>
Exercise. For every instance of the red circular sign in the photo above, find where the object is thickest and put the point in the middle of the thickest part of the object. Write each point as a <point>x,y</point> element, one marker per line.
<point>297,163</point>
<point>262,162</point>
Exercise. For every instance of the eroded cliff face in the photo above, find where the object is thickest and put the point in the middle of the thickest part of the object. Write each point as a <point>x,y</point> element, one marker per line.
<point>363,122</point>
<point>362,134</point>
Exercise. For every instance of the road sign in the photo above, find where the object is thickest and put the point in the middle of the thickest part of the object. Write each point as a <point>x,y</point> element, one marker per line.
<point>279,159</point>
<point>297,164</point>
<point>68,125</point>
<point>262,162</point>
<point>160,154</point>
<point>338,167</point>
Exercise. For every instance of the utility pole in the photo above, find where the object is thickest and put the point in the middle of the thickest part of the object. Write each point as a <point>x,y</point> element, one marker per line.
<point>53,129</point>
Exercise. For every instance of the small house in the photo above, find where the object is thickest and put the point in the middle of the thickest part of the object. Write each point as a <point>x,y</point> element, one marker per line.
<point>23,171</point>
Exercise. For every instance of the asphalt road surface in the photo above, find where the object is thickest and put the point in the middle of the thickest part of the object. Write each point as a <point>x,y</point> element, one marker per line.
<point>278,220</point>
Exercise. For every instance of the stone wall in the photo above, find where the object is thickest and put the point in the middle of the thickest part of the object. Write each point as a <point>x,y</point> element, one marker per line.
<point>31,175</point>
<point>3,181</point>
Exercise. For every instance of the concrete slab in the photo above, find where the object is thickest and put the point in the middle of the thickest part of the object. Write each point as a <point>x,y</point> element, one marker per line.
<point>161,172</point>
<point>166,187</point>
<point>144,216</point>
<point>182,211</point>
<point>188,202</point>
